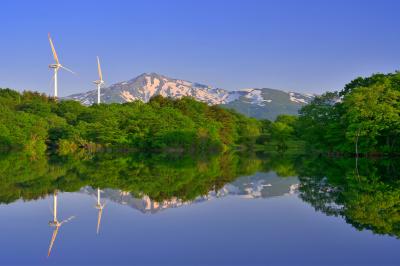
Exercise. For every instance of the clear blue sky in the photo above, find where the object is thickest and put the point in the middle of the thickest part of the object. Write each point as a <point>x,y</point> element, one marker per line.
<point>309,46</point>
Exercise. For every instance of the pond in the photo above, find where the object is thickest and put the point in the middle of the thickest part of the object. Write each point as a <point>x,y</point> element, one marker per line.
<point>241,209</point>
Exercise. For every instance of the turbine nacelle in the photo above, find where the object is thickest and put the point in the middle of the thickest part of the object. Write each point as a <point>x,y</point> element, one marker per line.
<point>57,66</point>
<point>99,206</point>
<point>98,82</point>
<point>54,223</point>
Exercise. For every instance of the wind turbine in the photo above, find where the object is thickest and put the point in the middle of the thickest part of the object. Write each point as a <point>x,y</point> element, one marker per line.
<point>100,81</point>
<point>55,223</point>
<point>56,67</point>
<point>100,207</point>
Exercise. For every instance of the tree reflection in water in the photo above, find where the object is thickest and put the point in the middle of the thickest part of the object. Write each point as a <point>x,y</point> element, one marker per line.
<point>367,200</point>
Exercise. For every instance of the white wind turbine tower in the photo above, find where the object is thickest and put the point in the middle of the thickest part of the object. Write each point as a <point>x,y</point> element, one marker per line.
<point>100,81</point>
<point>55,223</point>
<point>56,67</point>
<point>100,207</point>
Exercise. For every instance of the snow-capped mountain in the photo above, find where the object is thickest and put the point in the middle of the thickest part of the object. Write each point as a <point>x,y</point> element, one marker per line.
<point>260,103</point>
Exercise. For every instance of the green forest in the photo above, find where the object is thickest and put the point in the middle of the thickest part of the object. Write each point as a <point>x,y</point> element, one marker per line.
<point>363,118</point>
<point>33,122</point>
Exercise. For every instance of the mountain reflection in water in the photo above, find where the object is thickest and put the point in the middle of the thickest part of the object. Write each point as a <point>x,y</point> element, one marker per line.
<point>367,198</point>
<point>260,185</point>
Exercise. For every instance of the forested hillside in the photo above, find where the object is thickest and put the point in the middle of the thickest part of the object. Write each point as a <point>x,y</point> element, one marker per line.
<point>34,122</point>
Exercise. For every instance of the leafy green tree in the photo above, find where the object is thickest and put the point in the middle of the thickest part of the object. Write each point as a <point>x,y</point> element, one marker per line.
<point>362,118</point>
<point>373,117</point>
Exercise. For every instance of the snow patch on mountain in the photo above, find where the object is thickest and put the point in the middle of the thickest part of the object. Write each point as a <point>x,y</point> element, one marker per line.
<point>127,96</point>
<point>255,97</point>
<point>300,98</point>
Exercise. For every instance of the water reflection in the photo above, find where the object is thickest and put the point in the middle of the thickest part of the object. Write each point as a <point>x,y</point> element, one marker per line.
<point>256,186</point>
<point>55,223</point>
<point>158,177</point>
<point>99,206</point>
<point>367,197</point>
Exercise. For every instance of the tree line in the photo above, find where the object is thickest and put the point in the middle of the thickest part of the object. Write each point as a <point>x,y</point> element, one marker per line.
<point>363,118</point>
<point>33,122</point>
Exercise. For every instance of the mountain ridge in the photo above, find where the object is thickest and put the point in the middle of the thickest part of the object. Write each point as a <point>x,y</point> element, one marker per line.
<point>262,103</point>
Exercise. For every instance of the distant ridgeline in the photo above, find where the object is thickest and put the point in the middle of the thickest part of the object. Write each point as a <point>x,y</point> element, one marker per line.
<point>260,103</point>
<point>363,118</point>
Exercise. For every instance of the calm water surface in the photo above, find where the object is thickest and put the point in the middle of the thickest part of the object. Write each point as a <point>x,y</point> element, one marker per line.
<point>230,209</point>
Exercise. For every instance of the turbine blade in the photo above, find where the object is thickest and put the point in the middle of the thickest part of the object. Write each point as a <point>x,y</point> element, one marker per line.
<point>67,220</point>
<point>99,69</point>
<point>99,220</point>
<point>53,238</point>
<point>53,50</point>
<point>69,70</point>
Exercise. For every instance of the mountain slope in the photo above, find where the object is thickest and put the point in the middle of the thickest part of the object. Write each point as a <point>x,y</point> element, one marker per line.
<point>268,103</point>
<point>259,103</point>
